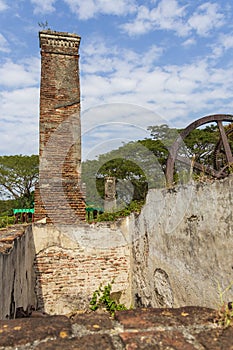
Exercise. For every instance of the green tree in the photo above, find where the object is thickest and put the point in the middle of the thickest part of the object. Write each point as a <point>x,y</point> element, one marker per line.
<point>201,143</point>
<point>18,175</point>
<point>164,134</point>
<point>135,165</point>
<point>142,163</point>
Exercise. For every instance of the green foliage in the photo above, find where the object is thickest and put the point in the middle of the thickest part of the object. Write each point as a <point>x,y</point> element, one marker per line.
<point>101,299</point>
<point>164,134</point>
<point>201,143</point>
<point>18,175</point>
<point>6,221</point>
<point>126,164</point>
<point>225,310</point>
<point>136,167</point>
<point>6,207</point>
<point>143,163</point>
<point>133,207</point>
<point>123,169</point>
<point>225,315</point>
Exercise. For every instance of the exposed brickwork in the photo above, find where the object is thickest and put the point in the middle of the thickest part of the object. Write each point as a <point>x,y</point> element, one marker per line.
<point>59,197</point>
<point>67,278</point>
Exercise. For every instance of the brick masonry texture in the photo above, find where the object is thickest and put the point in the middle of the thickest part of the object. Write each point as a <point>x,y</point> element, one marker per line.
<point>58,195</point>
<point>68,270</point>
<point>66,279</point>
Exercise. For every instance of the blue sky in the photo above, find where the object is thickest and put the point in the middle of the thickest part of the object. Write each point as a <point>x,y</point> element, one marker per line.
<point>153,61</point>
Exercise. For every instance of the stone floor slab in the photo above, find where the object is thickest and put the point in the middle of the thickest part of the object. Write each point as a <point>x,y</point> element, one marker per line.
<point>22,331</point>
<point>217,339</point>
<point>162,340</point>
<point>169,317</point>
<point>88,342</point>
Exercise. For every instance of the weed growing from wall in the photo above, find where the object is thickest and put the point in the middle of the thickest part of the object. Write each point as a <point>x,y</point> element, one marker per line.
<point>225,310</point>
<point>101,299</point>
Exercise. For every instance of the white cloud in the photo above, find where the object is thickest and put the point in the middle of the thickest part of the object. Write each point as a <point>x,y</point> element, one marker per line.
<point>90,8</point>
<point>223,43</point>
<point>43,6</point>
<point>15,75</point>
<point>170,15</point>
<point>166,15</point>
<point>189,42</point>
<point>226,41</point>
<point>97,57</point>
<point>19,121</point>
<point>175,91</point>
<point>19,100</point>
<point>108,76</point>
<point>19,103</point>
<point>3,5</point>
<point>4,46</point>
<point>206,18</point>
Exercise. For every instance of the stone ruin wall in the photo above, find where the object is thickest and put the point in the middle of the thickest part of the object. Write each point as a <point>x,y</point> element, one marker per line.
<point>172,254</point>
<point>17,277</point>
<point>72,262</point>
<point>57,269</point>
<point>182,245</point>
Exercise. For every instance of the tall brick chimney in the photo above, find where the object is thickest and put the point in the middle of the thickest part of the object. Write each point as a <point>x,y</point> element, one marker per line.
<point>58,197</point>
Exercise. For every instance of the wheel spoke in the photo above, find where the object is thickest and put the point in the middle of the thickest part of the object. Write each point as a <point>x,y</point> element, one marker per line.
<point>225,143</point>
<point>213,171</point>
<point>201,167</point>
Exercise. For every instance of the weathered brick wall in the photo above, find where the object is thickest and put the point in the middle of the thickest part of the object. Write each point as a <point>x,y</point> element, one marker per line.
<point>172,254</point>
<point>58,196</point>
<point>71,262</point>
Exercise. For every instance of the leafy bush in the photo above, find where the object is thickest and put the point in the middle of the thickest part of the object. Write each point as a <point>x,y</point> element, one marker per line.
<point>6,220</point>
<point>101,298</point>
<point>133,207</point>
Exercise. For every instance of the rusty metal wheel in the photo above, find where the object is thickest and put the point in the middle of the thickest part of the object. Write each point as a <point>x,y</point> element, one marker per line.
<point>220,160</point>
<point>216,170</point>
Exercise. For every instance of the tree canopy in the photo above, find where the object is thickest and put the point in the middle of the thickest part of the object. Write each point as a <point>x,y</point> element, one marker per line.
<point>18,175</point>
<point>137,166</point>
<point>141,164</point>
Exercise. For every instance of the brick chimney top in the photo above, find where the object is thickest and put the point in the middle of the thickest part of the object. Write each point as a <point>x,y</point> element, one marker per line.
<point>59,42</point>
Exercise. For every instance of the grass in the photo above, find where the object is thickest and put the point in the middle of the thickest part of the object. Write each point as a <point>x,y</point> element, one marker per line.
<point>225,310</point>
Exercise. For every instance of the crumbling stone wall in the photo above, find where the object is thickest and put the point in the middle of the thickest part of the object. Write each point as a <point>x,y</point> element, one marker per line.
<point>172,254</point>
<point>58,195</point>
<point>182,245</point>
<point>72,262</point>
<point>17,282</point>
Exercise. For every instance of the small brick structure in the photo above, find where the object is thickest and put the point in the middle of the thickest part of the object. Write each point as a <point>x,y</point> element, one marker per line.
<point>58,196</point>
